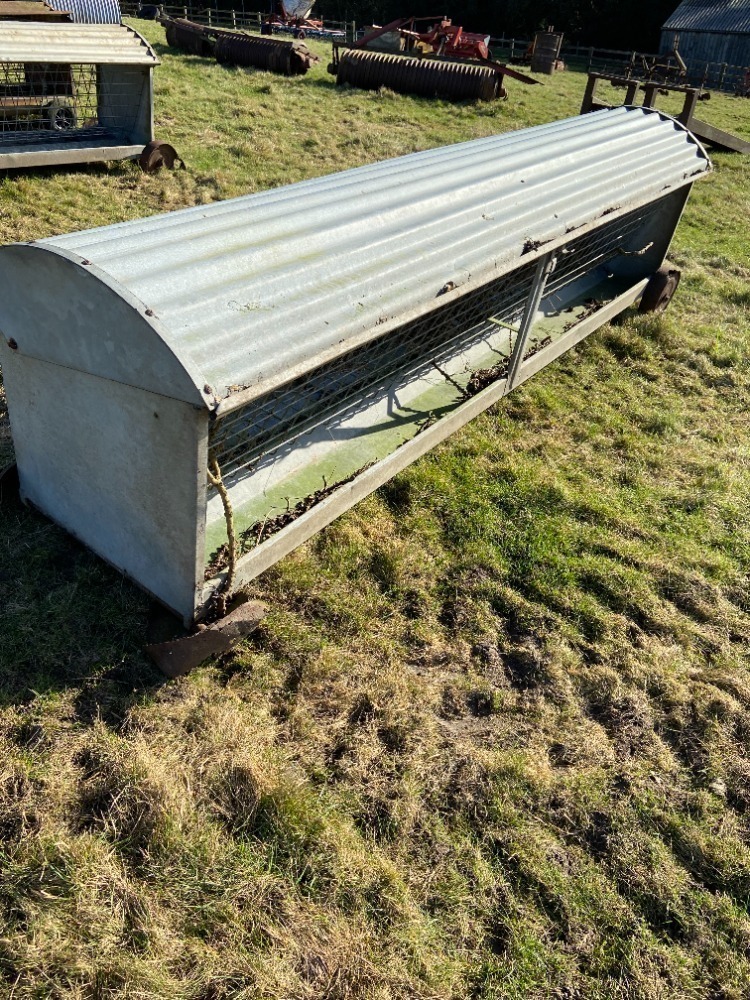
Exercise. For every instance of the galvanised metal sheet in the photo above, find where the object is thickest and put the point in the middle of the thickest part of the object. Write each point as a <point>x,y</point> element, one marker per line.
<point>100,44</point>
<point>732,16</point>
<point>90,11</point>
<point>272,282</point>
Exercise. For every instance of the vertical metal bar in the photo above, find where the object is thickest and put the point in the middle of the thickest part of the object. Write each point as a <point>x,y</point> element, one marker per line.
<point>544,268</point>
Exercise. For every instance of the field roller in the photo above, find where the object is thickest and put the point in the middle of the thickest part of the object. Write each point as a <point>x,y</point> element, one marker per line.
<point>194,395</point>
<point>291,58</point>
<point>423,77</point>
<point>189,37</point>
<point>233,48</point>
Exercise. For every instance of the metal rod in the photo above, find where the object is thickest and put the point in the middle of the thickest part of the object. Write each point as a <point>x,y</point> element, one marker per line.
<point>544,269</point>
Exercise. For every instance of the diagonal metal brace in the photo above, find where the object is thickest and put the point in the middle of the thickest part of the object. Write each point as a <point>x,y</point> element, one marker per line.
<point>545,267</point>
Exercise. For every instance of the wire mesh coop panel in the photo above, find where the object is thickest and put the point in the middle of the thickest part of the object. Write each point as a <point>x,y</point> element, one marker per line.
<point>90,97</point>
<point>307,343</point>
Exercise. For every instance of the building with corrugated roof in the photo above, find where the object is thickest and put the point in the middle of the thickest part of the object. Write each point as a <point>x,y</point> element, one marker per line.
<point>709,31</point>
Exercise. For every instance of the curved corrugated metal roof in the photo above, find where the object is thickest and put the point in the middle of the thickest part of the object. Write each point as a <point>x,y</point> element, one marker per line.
<point>101,44</point>
<point>722,16</point>
<point>269,284</point>
<point>90,11</point>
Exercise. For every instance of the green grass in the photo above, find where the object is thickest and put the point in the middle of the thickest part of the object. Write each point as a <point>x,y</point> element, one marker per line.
<point>493,739</point>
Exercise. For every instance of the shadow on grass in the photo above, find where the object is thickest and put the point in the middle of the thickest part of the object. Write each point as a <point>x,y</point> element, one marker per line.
<point>71,626</point>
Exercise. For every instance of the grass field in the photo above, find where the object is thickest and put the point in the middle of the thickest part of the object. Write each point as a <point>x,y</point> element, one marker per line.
<point>493,739</point>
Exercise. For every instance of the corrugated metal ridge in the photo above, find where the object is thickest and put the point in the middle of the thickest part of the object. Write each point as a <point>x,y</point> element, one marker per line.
<point>266,283</point>
<point>90,11</point>
<point>32,41</point>
<point>713,16</point>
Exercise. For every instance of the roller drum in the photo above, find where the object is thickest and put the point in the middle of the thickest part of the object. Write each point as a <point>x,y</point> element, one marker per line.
<point>263,52</point>
<point>189,37</point>
<point>422,77</point>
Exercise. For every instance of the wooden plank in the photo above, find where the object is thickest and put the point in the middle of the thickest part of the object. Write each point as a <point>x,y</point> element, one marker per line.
<point>716,137</point>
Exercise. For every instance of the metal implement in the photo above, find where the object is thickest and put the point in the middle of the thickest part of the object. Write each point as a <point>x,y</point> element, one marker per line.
<point>73,93</point>
<point>293,15</point>
<point>438,36</point>
<point>195,394</point>
<point>31,10</point>
<point>442,61</point>
<point>234,48</point>
<point>187,36</point>
<point>708,134</point>
<point>291,58</point>
<point>423,77</point>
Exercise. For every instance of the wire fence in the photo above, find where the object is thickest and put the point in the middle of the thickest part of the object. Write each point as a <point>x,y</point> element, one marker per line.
<point>709,76</point>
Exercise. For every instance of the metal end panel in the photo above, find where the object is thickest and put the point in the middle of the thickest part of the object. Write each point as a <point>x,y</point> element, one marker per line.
<point>88,44</point>
<point>79,318</point>
<point>256,291</point>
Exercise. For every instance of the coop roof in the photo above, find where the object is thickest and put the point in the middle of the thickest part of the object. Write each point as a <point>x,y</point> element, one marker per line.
<point>719,16</point>
<point>248,293</point>
<point>30,41</point>
<point>90,11</point>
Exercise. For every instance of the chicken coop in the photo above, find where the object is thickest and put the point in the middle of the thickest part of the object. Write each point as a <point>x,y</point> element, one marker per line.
<point>73,93</point>
<point>195,394</point>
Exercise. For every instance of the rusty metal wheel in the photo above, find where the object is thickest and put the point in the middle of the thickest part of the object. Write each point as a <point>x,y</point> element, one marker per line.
<point>159,154</point>
<point>660,289</point>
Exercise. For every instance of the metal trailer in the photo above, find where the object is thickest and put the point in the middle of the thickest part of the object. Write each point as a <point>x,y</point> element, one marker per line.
<point>73,93</point>
<point>195,394</point>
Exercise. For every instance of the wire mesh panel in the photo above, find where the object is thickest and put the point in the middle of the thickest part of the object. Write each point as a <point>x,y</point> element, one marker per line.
<point>54,103</point>
<point>268,427</point>
<point>583,255</point>
<point>353,382</point>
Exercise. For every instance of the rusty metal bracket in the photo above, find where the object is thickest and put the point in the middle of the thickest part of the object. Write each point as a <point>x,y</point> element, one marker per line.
<point>158,154</point>
<point>180,656</point>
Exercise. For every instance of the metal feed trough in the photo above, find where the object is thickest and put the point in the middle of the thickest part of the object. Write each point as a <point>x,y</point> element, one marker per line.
<point>73,93</point>
<point>253,368</point>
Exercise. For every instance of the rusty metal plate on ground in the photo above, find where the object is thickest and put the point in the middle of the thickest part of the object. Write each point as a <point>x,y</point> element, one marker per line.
<point>158,154</point>
<point>180,656</point>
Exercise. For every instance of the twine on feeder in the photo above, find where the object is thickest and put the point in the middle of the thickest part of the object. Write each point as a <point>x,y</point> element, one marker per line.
<point>215,479</point>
